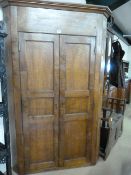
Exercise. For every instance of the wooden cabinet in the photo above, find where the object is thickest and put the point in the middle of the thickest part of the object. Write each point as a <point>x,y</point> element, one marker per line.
<point>55,55</point>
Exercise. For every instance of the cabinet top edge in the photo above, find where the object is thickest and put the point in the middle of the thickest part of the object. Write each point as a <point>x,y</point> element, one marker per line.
<point>57,5</point>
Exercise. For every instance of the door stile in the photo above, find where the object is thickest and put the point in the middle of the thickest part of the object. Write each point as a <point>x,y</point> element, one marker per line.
<point>62,101</point>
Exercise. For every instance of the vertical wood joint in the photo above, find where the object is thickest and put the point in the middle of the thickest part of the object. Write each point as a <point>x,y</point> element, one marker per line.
<point>19,46</point>
<point>95,50</point>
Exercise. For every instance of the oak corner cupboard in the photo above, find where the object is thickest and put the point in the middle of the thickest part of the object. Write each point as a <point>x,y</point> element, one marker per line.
<point>54,57</point>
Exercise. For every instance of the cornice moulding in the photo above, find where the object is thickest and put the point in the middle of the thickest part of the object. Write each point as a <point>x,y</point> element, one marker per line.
<point>57,5</point>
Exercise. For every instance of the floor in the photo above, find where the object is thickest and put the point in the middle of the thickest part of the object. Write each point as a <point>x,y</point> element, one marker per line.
<point>118,162</point>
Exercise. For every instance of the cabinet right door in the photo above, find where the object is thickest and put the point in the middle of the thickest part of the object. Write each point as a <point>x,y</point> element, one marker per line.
<point>77,74</point>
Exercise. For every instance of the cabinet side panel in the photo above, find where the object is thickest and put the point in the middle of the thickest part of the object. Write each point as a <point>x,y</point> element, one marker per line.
<point>102,66</point>
<point>99,77</point>
<point>14,88</point>
<point>6,12</point>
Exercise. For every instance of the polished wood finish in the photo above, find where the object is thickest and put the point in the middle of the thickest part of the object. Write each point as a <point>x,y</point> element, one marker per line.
<point>77,56</point>
<point>39,71</point>
<point>56,57</point>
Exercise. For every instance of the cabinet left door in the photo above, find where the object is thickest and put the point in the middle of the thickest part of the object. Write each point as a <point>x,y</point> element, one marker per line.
<point>39,72</point>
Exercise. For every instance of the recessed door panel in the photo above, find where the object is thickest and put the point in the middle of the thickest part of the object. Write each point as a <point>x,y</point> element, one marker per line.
<point>77,66</point>
<point>77,62</point>
<point>39,69</point>
<point>74,106</point>
<point>41,139</point>
<point>39,62</point>
<point>75,139</point>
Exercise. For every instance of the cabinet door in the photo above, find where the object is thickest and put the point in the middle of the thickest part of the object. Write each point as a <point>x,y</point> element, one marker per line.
<point>77,65</point>
<point>39,70</point>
